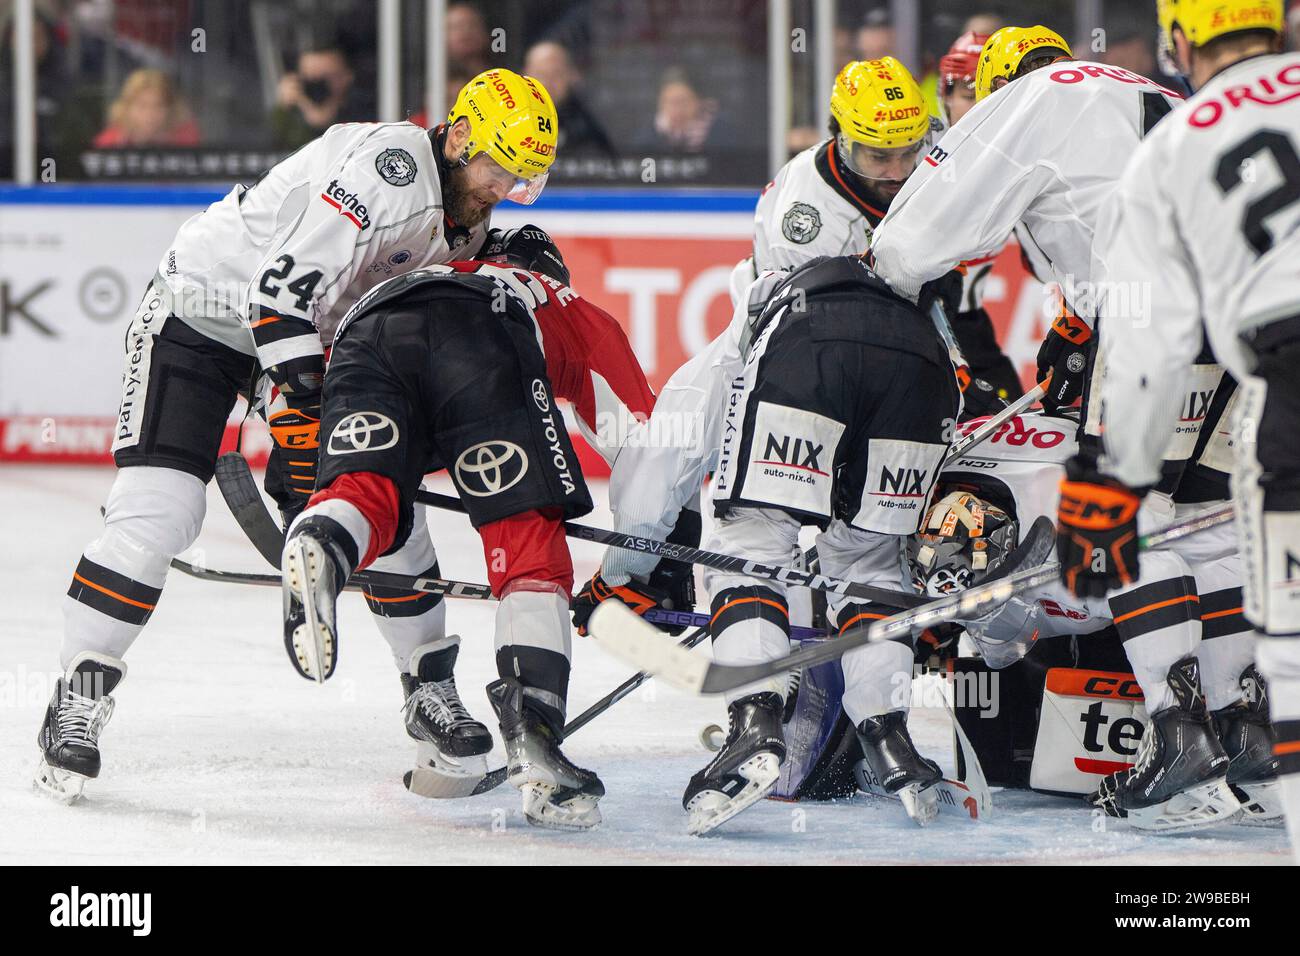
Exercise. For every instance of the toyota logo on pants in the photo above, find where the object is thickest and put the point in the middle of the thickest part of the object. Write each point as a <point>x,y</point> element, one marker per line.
<point>490,467</point>
<point>362,431</point>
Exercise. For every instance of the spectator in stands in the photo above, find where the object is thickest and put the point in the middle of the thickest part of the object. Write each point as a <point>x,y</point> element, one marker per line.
<point>315,96</point>
<point>580,131</point>
<point>468,42</point>
<point>1130,44</point>
<point>685,121</point>
<point>148,112</point>
<point>1293,27</point>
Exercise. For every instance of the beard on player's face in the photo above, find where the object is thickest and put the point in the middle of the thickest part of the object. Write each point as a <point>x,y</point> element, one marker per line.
<point>467,203</point>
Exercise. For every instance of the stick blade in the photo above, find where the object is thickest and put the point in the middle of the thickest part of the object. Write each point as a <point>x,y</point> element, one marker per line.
<point>624,635</point>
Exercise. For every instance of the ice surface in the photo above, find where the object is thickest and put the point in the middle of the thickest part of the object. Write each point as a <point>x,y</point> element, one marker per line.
<point>220,753</point>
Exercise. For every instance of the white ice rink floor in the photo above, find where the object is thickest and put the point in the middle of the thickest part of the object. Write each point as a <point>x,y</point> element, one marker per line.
<point>219,753</point>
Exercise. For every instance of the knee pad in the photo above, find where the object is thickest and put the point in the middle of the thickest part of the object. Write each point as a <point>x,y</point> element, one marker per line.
<point>152,514</point>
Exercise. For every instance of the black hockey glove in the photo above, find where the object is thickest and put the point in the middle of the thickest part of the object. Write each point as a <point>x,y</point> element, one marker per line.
<point>1064,356</point>
<point>978,397</point>
<point>1096,530</point>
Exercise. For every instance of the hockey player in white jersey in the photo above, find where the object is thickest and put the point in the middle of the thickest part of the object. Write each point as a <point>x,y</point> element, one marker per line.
<point>1042,148</point>
<point>829,199</point>
<point>252,286</point>
<point>1013,479</point>
<point>1205,225</point>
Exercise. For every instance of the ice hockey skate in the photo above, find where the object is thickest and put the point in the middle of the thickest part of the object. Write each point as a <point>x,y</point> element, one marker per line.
<point>745,769</point>
<point>69,737</point>
<point>314,570</point>
<point>556,794</point>
<point>1179,781</point>
<point>896,766</point>
<point>451,746</point>
<point>1247,738</point>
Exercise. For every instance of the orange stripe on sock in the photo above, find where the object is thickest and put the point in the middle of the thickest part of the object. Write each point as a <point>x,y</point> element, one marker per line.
<point>112,594</point>
<point>767,601</point>
<point>392,600</point>
<point>1157,606</point>
<point>1213,614</point>
<point>864,616</point>
<point>1284,747</point>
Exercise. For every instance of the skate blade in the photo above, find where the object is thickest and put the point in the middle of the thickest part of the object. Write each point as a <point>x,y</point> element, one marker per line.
<point>313,643</point>
<point>439,776</point>
<point>1208,805</point>
<point>61,786</point>
<point>577,813</point>
<point>707,812</point>
<point>921,803</point>
<point>1261,804</point>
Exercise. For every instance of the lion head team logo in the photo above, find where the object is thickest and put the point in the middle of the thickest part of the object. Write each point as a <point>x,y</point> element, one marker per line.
<point>801,223</point>
<point>396,166</point>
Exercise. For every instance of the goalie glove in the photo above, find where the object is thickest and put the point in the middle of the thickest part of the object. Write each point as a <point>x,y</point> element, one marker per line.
<point>636,595</point>
<point>1064,357</point>
<point>291,469</point>
<point>1096,531</point>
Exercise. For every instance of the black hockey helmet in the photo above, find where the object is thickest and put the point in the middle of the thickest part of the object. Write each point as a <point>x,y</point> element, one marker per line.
<point>528,247</point>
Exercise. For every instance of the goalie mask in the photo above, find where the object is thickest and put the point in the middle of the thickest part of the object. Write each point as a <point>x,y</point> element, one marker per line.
<point>961,540</point>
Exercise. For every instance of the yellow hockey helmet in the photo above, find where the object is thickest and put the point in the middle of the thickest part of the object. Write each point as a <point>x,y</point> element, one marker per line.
<point>1204,20</point>
<point>878,103</point>
<point>1006,51</point>
<point>883,119</point>
<point>512,120</point>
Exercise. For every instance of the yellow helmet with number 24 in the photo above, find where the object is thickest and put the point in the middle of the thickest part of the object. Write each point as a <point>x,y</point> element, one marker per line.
<point>512,120</point>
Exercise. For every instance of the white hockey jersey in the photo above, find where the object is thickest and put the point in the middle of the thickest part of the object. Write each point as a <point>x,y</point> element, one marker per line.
<point>810,209</point>
<point>664,460</point>
<point>1211,197</point>
<point>360,204</point>
<point>1045,151</point>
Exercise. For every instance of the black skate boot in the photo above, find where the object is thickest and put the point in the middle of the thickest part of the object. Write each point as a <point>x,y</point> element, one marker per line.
<point>452,747</point>
<point>69,737</point>
<point>315,567</point>
<point>1247,737</point>
<point>745,769</point>
<point>556,794</point>
<point>894,765</point>
<point>1179,781</point>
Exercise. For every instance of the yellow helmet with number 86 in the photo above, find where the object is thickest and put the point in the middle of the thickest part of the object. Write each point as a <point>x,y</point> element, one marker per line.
<point>882,118</point>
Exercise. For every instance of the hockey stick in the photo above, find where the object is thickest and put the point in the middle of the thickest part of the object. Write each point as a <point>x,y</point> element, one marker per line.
<point>454,589</point>
<point>977,435</point>
<point>711,559</point>
<point>620,631</point>
<point>383,579</point>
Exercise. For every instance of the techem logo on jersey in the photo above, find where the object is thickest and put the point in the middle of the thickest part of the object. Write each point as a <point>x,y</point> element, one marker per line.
<point>348,204</point>
<point>74,909</point>
<point>540,396</point>
<point>936,156</point>
<point>490,467</point>
<point>396,167</point>
<point>362,431</point>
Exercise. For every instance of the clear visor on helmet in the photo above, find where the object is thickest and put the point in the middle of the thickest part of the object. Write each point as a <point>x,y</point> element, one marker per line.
<point>881,164</point>
<point>505,184</point>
